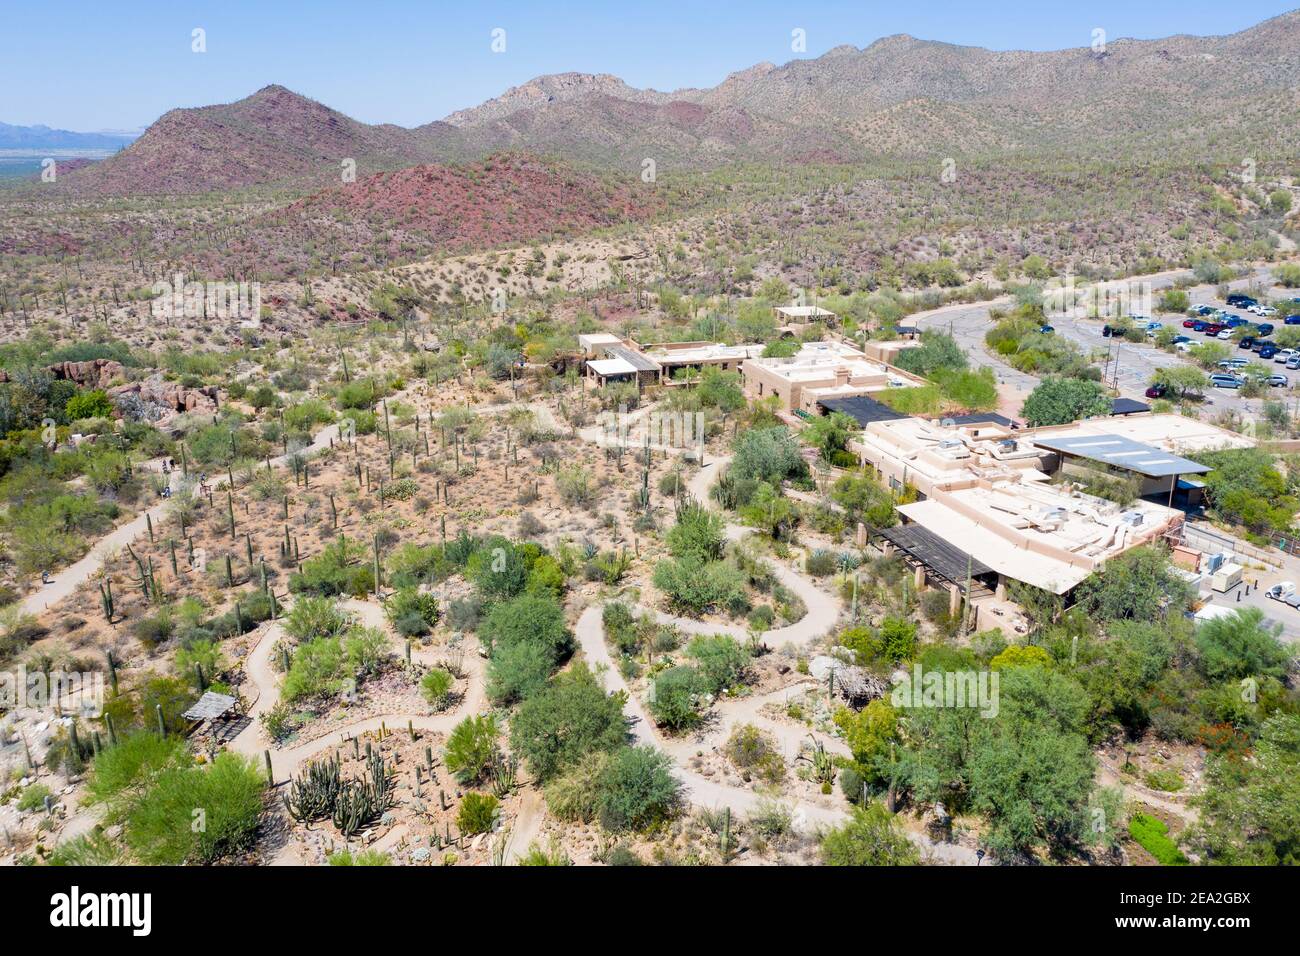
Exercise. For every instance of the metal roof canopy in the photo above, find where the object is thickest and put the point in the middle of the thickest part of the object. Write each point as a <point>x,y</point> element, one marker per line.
<point>1128,406</point>
<point>862,408</point>
<point>636,359</point>
<point>211,706</point>
<point>982,418</point>
<point>946,560</point>
<point>1120,452</point>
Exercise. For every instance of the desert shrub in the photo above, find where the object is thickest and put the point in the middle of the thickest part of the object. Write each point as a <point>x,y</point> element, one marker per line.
<point>130,765</point>
<point>571,796</point>
<point>411,612</point>
<point>159,827</point>
<point>154,629</point>
<point>93,849</point>
<point>313,617</point>
<point>820,563</point>
<point>771,820</point>
<point>720,661</point>
<point>336,570</point>
<point>346,857</point>
<point>366,650</point>
<point>694,586</point>
<point>871,837</point>
<point>558,726</point>
<point>698,532</point>
<point>528,619</point>
<point>477,813</point>
<point>518,671</point>
<point>33,797</point>
<point>471,749</point>
<point>552,856</point>
<point>1153,836</point>
<point>575,486</point>
<point>752,750</point>
<point>673,698</point>
<point>636,790</point>
<point>464,614</point>
<point>436,687</point>
<point>316,669</point>
<point>894,642</point>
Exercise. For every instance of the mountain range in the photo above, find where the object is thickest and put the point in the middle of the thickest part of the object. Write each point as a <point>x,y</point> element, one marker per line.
<point>43,137</point>
<point>899,97</point>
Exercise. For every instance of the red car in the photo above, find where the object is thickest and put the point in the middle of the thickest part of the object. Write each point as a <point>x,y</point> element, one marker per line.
<point>1188,323</point>
<point>1214,329</point>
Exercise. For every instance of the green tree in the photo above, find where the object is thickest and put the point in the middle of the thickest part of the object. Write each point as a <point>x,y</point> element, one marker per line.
<point>471,749</point>
<point>1250,811</point>
<point>1241,645</point>
<point>637,790</point>
<point>1057,401</point>
<point>570,718</point>
<point>871,837</point>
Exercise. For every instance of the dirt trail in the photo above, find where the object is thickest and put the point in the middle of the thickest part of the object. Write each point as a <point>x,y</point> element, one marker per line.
<point>66,582</point>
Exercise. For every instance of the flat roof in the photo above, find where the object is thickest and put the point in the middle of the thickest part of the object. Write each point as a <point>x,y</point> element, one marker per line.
<point>982,418</point>
<point>612,366</point>
<point>638,361</point>
<point>936,553</point>
<point>861,408</point>
<point>1167,430</point>
<point>1015,561</point>
<point>1128,406</point>
<point>1120,452</point>
<point>803,311</point>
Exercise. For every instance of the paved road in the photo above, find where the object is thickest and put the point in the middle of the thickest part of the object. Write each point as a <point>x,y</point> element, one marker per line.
<point>1130,365</point>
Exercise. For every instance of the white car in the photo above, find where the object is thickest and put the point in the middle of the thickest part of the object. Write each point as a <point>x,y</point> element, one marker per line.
<point>1184,346</point>
<point>1225,335</point>
<point>1284,356</point>
<point>1280,592</point>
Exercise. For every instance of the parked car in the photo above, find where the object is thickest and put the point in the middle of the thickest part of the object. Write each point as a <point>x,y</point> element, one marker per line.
<point>1293,600</point>
<point>1156,391</point>
<point>1232,364</point>
<point>1179,340</point>
<point>1234,321</point>
<point>1046,330</point>
<point>1293,362</point>
<point>1264,329</point>
<point>1224,380</point>
<point>1284,355</point>
<point>1265,310</point>
<point>1191,323</point>
<point>1278,381</point>
<point>1239,300</point>
<point>1199,326</point>
<point>1247,343</point>
<point>1225,335</point>
<point>1203,310</point>
<point>1183,346</point>
<point>1293,319</point>
<point>1214,328</point>
<point>1266,350</point>
<point>1280,591</point>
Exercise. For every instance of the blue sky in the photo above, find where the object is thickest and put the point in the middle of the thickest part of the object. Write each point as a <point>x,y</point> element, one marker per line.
<point>85,65</point>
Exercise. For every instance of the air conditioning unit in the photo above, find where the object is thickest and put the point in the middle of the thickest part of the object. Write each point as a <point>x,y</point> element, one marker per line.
<point>1132,518</point>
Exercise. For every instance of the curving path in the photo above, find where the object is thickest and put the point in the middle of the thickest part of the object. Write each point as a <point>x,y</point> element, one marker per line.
<point>66,582</point>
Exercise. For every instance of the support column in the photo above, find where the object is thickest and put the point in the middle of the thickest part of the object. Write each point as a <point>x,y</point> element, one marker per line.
<point>954,599</point>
